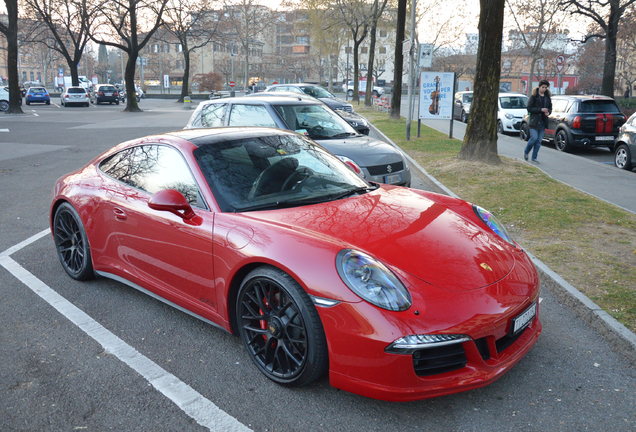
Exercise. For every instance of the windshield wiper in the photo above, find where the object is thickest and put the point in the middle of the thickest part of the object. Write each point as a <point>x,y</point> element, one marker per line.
<point>269,206</point>
<point>356,191</point>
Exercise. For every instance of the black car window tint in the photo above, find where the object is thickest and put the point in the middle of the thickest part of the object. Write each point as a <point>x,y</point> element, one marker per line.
<point>598,106</point>
<point>213,115</point>
<point>250,115</point>
<point>76,90</point>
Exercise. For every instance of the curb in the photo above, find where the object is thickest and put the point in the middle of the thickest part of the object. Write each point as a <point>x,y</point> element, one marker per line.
<point>619,336</point>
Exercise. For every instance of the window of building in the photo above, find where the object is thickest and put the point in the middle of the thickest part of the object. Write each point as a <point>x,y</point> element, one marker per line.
<point>364,50</point>
<point>382,50</point>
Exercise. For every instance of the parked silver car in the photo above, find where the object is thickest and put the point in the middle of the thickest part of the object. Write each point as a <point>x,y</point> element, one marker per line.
<point>74,95</point>
<point>380,162</point>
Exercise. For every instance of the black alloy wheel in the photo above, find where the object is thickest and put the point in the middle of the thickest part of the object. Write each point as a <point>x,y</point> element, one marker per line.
<point>280,328</point>
<point>561,141</point>
<point>623,157</point>
<point>71,243</point>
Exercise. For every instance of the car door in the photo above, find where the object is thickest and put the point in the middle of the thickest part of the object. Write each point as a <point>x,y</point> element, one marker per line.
<point>157,248</point>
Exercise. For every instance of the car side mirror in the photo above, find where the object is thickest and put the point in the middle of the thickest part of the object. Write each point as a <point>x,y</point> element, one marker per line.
<point>173,201</point>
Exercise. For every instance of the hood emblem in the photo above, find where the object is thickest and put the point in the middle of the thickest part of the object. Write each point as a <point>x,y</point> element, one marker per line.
<point>485,266</point>
<point>389,168</point>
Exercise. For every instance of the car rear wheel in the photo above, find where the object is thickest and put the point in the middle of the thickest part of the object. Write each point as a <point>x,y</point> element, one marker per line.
<point>71,243</point>
<point>623,157</point>
<point>4,105</point>
<point>500,129</point>
<point>561,141</point>
<point>464,117</point>
<point>280,328</point>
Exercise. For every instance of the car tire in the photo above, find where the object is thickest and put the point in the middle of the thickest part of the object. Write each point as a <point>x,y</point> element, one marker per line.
<point>71,243</point>
<point>524,132</point>
<point>561,141</point>
<point>623,157</point>
<point>280,328</point>
<point>500,129</point>
<point>350,93</point>
<point>116,102</point>
<point>48,102</point>
<point>464,117</point>
<point>28,103</point>
<point>4,106</point>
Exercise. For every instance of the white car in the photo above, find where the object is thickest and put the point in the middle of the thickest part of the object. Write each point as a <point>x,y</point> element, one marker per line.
<point>75,95</point>
<point>512,108</point>
<point>4,98</point>
<point>362,88</point>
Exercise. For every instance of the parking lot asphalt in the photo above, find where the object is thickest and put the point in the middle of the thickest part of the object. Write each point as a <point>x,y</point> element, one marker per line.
<point>58,377</point>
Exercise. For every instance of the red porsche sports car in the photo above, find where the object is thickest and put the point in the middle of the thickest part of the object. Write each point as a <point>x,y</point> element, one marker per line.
<point>398,294</point>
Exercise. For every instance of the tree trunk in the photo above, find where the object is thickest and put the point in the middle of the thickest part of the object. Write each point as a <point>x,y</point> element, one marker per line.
<point>480,141</point>
<point>369,90</point>
<point>131,99</point>
<point>185,86</point>
<point>396,96</point>
<point>609,68</point>
<point>15,97</point>
<point>356,71</point>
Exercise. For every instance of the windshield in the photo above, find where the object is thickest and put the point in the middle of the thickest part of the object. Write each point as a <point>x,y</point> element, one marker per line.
<point>76,90</point>
<point>513,102</point>
<point>317,92</point>
<point>274,171</point>
<point>315,121</point>
<point>467,98</point>
<point>599,106</point>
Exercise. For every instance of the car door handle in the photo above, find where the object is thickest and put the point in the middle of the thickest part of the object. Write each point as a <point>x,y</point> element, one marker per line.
<point>119,213</point>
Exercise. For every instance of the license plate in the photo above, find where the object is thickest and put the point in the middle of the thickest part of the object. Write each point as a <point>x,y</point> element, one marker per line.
<point>391,179</point>
<point>604,138</point>
<point>108,94</point>
<point>522,320</point>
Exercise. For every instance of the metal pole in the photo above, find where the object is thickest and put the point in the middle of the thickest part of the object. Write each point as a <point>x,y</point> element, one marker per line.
<point>409,117</point>
<point>346,86</point>
<point>450,129</point>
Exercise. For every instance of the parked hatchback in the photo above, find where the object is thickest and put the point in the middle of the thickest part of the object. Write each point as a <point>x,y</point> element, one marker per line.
<point>625,154</point>
<point>315,91</point>
<point>74,96</point>
<point>461,106</point>
<point>511,109</point>
<point>37,95</point>
<point>105,93</point>
<point>581,121</point>
<point>380,162</point>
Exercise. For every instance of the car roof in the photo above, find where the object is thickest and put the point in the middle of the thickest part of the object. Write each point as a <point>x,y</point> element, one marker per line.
<point>204,136</point>
<point>583,97</point>
<point>263,100</point>
<point>298,96</point>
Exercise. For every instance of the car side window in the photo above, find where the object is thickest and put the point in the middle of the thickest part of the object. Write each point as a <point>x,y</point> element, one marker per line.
<point>153,168</point>
<point>213,115</point>
<point>250,115</point>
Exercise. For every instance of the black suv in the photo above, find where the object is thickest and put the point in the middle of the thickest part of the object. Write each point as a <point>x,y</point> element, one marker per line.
<point>105,93</point>
<point>580,121</point>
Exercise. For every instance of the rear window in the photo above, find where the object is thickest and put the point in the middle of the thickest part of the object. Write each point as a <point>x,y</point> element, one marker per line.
<point>107,88</point>
<point>76,90</point>
<point>598,106</point>
<point>35,90</point>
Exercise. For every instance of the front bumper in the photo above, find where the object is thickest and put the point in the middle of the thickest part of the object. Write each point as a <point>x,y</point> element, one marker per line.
<point>358,335</point>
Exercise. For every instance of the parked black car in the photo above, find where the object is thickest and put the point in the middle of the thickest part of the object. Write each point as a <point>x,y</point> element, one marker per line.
<point>625,154</point>
<point>580,121</point>
<point>105,93</point>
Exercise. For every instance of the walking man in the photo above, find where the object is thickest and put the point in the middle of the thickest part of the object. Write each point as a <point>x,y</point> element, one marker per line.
<point>539,107</point>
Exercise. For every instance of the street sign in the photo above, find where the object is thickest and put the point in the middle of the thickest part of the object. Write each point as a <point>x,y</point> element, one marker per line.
<point>560,63</point>
<point>425,55</point>
<point>231,83</point>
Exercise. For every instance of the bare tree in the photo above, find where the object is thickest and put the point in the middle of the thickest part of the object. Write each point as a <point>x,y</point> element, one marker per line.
<point>128,25</point>
<point>10,31</point>
<point>396,97</point>
<point>68,23</point>
<point>480,141</point>
<point>607,14</point>
<point>248,20</point>
<point>377,10</point>
<point>194,24</point>
<point>537,22</point>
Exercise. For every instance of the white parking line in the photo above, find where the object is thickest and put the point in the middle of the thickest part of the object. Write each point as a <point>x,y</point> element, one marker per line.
<point>203,411</point>
<point>4,130</point>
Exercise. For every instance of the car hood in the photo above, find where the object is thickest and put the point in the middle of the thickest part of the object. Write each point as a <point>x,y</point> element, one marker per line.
<point>520,112</point>
<point>334,103</point>
<point>365,151</point>
<point>408,232</point>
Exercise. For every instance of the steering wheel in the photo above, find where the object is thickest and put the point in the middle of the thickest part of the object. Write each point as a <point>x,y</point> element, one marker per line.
<point>296,178</point>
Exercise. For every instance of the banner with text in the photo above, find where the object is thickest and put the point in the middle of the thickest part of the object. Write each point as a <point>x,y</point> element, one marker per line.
<point>436,95</point>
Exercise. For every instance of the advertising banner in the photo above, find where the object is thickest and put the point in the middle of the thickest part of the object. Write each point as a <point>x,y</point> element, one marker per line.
<point>436,95</point>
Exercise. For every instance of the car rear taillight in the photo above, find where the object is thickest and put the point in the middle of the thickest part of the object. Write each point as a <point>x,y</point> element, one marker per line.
<point>576,123</point>
<point>101,93</point>
<point>66,96</point>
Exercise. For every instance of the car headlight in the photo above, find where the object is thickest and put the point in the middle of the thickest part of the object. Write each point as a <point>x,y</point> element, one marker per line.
<point>492,223</point>
<point>372,280</point>
<point>509,116</point>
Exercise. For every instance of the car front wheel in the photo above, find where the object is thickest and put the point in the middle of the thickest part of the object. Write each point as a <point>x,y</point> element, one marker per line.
<point>280,328</point>
<point>464,117</point>
<point>500,129</point>
<point>524,132</point>
<point>4,105</point>
<point>350,93</point>
<point>561,141</point>
<point>623,157</point>
<point>71,243</point>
